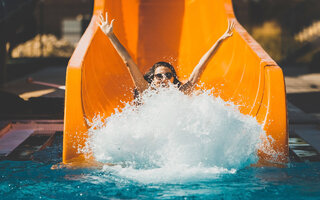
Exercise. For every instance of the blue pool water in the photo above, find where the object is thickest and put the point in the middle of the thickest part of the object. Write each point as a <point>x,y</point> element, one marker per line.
<point>35,180</point>
<point>173,147</point>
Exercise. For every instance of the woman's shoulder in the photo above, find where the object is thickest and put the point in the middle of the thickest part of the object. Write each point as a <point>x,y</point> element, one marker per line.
<point>186,87</point>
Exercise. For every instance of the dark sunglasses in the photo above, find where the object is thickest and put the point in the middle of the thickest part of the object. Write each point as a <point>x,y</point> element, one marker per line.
<point>161,76</point>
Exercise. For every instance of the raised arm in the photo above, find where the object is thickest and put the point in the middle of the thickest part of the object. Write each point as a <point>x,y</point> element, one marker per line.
<point>201,66</point>
<point>140,83</point>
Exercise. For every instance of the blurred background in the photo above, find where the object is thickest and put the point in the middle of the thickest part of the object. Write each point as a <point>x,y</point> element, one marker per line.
<point>289,30</point>
<point>37,38</point>
<point>39,32</point>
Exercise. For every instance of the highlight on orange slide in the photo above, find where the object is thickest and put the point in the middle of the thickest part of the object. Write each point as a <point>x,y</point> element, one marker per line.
<point>241,71</point>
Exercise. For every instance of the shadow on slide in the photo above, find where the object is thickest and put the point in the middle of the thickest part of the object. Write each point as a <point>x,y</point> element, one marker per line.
<point>179,32</point>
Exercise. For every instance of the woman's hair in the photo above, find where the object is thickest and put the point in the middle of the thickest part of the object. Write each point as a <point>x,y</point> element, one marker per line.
<point>150,74</point>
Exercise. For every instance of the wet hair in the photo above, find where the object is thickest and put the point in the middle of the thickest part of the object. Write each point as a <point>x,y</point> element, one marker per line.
<point>149,76</point>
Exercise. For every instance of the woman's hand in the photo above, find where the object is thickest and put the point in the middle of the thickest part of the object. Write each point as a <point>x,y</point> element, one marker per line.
<point>104,24</point>
<point>199,69</point>
<point>229,32</point>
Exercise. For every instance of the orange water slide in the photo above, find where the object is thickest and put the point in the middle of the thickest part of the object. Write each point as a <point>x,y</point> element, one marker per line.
<point>179,32</point>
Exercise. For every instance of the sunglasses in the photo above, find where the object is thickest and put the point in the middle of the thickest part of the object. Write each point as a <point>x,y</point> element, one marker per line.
<point>168,75</point>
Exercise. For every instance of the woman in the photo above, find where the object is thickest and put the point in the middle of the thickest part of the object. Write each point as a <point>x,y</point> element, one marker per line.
<point>162,72</point>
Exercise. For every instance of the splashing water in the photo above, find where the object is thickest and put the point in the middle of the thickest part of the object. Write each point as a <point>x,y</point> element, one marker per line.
<point>174,137</point>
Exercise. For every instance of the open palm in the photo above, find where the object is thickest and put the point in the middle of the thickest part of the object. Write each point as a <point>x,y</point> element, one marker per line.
<point>104,24</point>
<point>228,32</point>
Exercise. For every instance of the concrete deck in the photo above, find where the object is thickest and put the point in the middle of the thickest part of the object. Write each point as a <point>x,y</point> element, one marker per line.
<point>56,75</point>
<point>24,100</point>
<point>303,97</point>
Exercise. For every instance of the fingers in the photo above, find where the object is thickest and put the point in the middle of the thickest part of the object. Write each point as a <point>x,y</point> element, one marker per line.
<point>103,23</point>
<point>98,23</point>
<point>111,24</point>
<point>229,33</point>
<point>101,18</point>
<point>231,25</point>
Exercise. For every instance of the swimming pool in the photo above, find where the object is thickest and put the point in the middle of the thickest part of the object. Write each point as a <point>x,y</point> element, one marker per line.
<point>35,180</point>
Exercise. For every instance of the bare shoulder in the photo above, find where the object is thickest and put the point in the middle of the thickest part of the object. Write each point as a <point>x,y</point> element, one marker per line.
<point>189,89</point>
<point>198,92</point>
<point>186,87</point>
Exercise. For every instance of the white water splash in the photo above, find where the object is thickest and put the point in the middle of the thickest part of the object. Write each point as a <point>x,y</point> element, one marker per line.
<point>173,137</point>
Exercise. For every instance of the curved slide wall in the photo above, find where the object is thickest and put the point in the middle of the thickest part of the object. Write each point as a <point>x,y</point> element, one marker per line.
<point>180,32</point>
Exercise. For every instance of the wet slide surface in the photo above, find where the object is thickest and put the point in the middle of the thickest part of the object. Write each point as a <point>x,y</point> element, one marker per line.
<point>179,32</point>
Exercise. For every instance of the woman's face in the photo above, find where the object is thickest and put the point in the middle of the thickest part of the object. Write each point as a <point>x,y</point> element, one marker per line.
<point>162,76</point>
